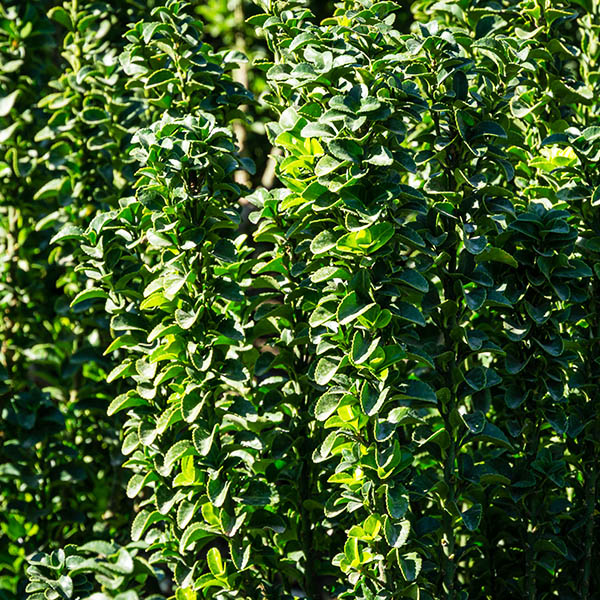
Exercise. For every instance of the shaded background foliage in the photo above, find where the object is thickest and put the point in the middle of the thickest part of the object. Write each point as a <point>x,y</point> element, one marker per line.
<point>60,477</point>
<point>321,276</point>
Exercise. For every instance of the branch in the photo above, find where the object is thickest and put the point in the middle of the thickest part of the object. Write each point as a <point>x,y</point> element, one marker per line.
<point>241,76</point>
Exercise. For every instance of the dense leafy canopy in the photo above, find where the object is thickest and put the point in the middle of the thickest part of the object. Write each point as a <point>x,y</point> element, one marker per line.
<point>299,299</point>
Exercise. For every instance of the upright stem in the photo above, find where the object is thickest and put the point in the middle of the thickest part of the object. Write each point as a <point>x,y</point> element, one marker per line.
<point>306,531</point>
<point>268,176</point>
<point>590,501</point>
<point>530,567</point>
<point>10,278</point>
<point>241,76</point>
<point>591,478</point>
<point>532,449</point>
<point>450,547</point>
<point>491,551</point>
<point>446,411</point>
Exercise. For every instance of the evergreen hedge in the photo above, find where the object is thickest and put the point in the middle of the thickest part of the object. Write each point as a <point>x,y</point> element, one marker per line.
<point>299,299</point>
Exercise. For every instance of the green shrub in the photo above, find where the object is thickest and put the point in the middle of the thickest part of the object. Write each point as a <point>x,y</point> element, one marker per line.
<point>76,572</point>
<point>176,301</point>
<point>52,401</point>
<point>379,383</point>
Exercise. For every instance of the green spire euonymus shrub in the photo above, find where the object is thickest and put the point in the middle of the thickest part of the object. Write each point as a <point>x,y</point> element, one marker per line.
<point>59,453</point>
<point>177,303</point>
<point>442,266</point>
<point>381,384</point>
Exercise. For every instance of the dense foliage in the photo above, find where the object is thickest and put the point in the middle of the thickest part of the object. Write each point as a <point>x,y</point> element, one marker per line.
<point>299,299</point>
